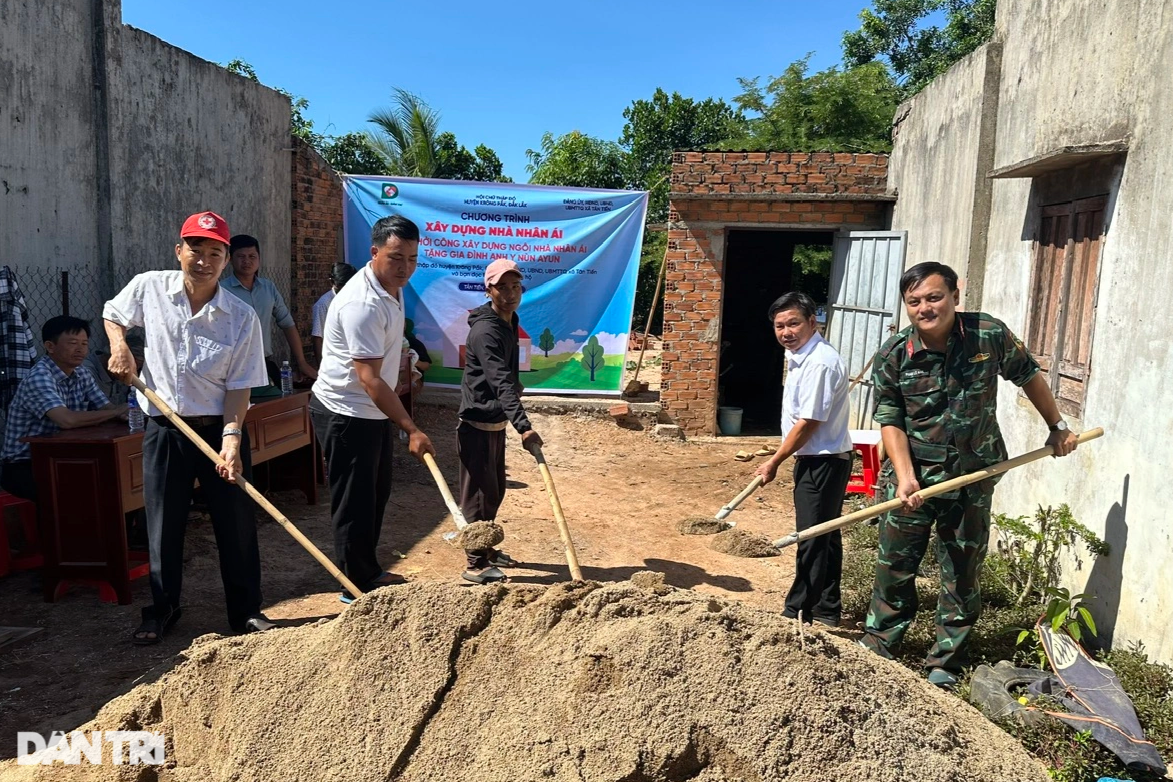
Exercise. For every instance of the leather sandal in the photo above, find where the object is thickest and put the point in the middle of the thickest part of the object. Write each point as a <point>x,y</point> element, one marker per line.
<point>155,625</point>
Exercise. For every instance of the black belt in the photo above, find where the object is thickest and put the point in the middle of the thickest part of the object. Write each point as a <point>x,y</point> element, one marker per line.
<point>194,421</point>
<point>846,455</point>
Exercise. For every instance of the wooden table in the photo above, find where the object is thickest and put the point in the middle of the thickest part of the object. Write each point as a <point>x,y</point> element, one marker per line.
<point>88,480</point>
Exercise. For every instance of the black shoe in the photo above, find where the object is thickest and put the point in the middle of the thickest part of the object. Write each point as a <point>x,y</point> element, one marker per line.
<point>257,623</point>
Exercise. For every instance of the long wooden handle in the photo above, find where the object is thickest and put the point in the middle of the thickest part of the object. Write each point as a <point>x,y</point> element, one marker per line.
<point>445,492</point>
<point>740,498</point>
<point>651,315</point>
<point>559,517</point>
<point>249,489</point>
<point>926,493</point>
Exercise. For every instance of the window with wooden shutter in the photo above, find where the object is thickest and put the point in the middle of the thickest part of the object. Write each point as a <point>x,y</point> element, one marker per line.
<point>1063,296</point>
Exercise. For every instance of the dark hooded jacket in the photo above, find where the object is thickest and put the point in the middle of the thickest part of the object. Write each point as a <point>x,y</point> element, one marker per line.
<point>490,391</point>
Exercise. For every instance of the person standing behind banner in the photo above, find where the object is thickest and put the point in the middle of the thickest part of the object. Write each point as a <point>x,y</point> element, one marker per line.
<point>355,404</point>
<point>815,418</point>
<point>339,274</point>
<point>490,395</point>
<point>204,355</point>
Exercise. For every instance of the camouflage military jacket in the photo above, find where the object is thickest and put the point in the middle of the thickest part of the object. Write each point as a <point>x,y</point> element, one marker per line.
<point>947,402</point>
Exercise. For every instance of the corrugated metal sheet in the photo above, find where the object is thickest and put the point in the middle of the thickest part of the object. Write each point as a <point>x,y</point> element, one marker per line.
<point>865,295</point>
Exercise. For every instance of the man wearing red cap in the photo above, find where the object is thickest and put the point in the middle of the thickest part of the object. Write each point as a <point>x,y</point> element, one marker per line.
<point>490,395</point>
<point>204,354</point>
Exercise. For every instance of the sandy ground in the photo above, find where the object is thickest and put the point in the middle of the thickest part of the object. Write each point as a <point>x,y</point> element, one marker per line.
<point>623,492</point>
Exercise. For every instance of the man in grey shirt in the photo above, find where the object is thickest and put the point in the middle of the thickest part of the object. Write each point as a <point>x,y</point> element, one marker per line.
<point>262,295</point>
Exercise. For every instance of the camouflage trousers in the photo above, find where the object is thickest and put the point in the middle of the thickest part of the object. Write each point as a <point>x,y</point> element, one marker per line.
<point>963,529</point>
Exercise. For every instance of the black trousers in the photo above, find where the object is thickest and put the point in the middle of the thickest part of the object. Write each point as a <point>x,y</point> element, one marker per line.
<point>171,465</point>
<point>17,478</point>
<point>358,466</point>
<point>820,483</point>
<point>482,479</point>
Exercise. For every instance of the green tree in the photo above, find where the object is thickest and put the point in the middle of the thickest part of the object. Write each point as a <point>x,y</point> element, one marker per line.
<point>893,31</point>
<point>300,126</point>
<point>546,342</point>
<point>577,160</point>
<point>831,110</point>
<point>454,161</point>
<point>407,135</point>
<point>665,123</point>
<point>352,153</point>
<point>592,356</point>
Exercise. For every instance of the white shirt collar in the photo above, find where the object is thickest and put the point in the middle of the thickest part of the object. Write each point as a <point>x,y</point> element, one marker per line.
<point>175,288</point>
<point>796,357</point>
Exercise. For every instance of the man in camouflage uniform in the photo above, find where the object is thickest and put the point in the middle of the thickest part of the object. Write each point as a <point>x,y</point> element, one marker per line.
<point>936,385</point>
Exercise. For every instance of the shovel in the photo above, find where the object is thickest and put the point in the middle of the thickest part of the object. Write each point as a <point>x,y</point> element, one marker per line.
<point>445,492</point>
<point>559,517</point>
<point>740,498</point>
<point>249,489</point>
<point>926,493</point>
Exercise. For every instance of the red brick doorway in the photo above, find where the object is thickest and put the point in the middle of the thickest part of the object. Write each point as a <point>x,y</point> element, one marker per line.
<point>760,266</point>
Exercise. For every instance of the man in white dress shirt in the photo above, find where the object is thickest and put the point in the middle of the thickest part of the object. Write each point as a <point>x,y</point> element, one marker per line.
<point>204,353</point>
<point>339,274</point>
<point>355,407</point>
<point>814,430</point>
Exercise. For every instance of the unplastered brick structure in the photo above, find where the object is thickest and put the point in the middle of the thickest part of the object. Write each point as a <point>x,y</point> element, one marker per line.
<point>715,192</point>
<point>315,232</point>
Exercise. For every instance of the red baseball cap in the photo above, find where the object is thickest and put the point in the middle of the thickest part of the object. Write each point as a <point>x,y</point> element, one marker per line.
<point>205,225</point>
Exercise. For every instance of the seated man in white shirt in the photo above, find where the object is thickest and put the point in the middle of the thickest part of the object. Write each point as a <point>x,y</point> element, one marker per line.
<point>204,355</point>
<point>339,274</point>
<point>815,418</point>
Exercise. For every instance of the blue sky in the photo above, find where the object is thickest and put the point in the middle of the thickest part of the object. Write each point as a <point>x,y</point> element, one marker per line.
<point>501,74</point>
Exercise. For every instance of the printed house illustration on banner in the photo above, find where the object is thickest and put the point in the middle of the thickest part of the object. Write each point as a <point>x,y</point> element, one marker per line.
<point>524,347</point>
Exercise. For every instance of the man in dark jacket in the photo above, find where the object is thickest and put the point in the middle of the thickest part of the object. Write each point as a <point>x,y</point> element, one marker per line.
<point>490,395</point>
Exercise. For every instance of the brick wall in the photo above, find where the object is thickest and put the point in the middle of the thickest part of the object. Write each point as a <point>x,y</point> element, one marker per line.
<point>714,192</point>
<point>818,173</point>
<point>315,233</point>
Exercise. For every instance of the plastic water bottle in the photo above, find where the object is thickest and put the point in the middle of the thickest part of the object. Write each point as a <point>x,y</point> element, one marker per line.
<point>286,379</point>
<point>134,413</point>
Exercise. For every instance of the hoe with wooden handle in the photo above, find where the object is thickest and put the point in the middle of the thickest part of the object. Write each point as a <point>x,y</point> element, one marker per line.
<point>249,489</point>
<point>559,517</point>
<point>926,493</point>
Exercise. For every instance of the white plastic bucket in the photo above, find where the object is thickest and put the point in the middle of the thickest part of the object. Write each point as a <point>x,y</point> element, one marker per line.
<point>729,419</point>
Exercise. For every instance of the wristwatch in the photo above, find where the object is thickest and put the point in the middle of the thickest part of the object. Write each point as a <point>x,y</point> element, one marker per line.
<point>1060,426</point>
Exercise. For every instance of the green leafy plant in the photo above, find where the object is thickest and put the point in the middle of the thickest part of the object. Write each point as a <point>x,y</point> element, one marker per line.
<point>1031,549</point>
<point>1065,613</point>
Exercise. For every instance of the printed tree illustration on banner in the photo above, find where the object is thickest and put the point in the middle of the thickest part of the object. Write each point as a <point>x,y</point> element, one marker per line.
<point>546,342</point>
<point>592,356</point>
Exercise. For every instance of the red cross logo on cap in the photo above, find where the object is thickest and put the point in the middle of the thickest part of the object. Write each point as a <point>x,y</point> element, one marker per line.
<point>207,222</point>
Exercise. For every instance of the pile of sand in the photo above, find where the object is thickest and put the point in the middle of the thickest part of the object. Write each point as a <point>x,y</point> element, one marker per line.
<point>740,543</point>
<point>700,525</point>
<point>573,682</point>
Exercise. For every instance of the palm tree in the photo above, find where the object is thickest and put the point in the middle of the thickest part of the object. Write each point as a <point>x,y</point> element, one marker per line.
<point>406,135</point>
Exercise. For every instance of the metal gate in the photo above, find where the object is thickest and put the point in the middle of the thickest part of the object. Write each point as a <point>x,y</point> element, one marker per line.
<point>864,301</point>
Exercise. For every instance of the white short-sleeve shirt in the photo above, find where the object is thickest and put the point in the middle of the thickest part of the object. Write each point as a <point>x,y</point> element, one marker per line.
<point>363,322</point>
<point>321,306</point>
<point>192,361</point>
<point>816,389</point>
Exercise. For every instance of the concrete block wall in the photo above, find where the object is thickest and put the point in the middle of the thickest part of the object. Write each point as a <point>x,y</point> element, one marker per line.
<point>315,233</point>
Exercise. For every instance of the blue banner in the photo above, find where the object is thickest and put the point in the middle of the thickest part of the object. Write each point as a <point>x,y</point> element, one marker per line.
<point>578,250</point>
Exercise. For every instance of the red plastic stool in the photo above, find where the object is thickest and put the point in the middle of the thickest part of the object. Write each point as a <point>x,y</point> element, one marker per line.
<point>27,511</point>
<point>867,442</point>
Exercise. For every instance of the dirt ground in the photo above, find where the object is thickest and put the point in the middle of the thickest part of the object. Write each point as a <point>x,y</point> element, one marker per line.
<point>623,491</point>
